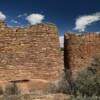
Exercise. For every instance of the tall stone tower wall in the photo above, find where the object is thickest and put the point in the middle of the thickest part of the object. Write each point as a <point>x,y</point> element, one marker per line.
<point>29,53</point>
<point>79,49</point>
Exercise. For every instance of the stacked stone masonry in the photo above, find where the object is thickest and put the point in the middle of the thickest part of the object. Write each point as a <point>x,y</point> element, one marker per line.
<point>31,56</point>
<point>80,49</point>
<point>31,52</point>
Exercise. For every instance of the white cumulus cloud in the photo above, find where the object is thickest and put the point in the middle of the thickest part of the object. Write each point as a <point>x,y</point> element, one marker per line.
<point>83,21</point>
<point>2,16</point>
<point>35,18</point>
<point>61,38</point>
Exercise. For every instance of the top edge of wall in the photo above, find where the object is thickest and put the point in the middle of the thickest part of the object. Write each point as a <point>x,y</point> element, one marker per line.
<point>40,26</point>
<point>81,34</point>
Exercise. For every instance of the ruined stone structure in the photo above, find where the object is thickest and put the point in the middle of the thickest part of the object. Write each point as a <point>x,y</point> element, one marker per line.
<point>30,57</point>
<point>79,49</point>
<point>29,53</point>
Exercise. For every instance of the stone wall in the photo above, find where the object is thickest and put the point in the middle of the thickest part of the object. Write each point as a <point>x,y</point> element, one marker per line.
<point>29,53</point>
<point>79,50</point>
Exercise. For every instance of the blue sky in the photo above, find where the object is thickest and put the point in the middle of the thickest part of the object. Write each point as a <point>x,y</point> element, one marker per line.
<point>68,15</point>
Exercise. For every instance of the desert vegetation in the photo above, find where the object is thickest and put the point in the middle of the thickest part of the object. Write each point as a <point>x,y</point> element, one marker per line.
<point>86,86</point>
<point>87,83</point>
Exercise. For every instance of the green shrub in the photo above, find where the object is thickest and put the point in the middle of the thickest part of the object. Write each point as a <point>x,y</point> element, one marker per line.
<point>88,80</point>
<point>62,49</point>
<point>80,97</point>
<point>59,86</point>
<point>1,91</point>
<point>11,89</point>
